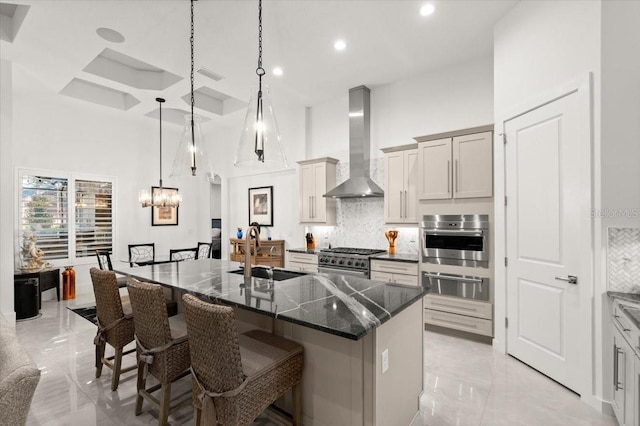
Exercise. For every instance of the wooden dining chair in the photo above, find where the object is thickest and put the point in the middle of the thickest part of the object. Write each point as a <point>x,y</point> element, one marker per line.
<point>177,255</point>
<point>235,377</point>
<point>204,250</point>
<point>163,349</point>
<point>141,253</point>
<point>115,324</point>
<point>104,263</point>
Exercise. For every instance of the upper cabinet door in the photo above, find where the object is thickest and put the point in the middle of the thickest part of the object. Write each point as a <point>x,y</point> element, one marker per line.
<point>400,186</point>
<point>394,187</point>
<point>434,160</point>
<point>317,177</point>
<point>473,166</point>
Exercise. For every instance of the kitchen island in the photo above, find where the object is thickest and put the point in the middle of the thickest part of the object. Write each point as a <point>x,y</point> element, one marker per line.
<point>351,329</point>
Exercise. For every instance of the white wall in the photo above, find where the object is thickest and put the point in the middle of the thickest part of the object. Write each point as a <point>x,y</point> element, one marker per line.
<point>6,191</point>
<point>447,99</point>
<point>539,46</point>
<point>58,133</point>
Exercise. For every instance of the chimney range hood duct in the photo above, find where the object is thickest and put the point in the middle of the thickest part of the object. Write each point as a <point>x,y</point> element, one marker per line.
<point>359,184</point>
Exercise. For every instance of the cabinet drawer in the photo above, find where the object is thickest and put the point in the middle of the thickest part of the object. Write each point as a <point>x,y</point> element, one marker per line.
<point>302,267</point>
<point>395,267</point>
<point>388,277</point>
<point>303,258</point>
<point>459,306</point>
<point>459,322</point>
<point>623,323</point>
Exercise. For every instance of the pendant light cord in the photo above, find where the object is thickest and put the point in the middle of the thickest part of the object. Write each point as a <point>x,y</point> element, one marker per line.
<point>193,137</point>
<point>160,101</point>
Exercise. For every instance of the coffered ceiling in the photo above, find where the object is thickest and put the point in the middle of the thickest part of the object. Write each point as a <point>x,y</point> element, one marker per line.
<point>57,41</point>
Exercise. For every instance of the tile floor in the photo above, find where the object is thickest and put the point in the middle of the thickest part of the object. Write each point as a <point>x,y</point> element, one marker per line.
<point>466,383</point>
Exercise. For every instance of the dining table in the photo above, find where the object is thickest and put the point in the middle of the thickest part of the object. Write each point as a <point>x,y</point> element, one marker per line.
<point>362,339</point>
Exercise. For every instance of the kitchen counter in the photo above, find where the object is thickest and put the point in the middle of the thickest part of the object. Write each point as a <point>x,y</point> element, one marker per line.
<point>629,299</point>
<point>342,305</point>
<point>362,339</point>
<point>399,257</point>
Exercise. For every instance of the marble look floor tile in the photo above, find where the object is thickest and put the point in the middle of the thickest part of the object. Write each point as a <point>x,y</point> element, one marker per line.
<point>465,383</point>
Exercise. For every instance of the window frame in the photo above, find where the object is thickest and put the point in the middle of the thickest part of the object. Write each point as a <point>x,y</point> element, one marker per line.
<point>71,177</point>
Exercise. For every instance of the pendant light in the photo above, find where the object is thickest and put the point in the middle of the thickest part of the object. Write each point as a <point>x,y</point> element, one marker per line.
<point>161,197</point>
<point>191,158</point>
<point>260,143</point>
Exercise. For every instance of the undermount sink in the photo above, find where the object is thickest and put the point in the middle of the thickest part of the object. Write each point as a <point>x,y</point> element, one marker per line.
<point>278,274</point>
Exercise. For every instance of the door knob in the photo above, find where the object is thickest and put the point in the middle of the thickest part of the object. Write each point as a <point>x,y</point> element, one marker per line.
<point>571,279</point>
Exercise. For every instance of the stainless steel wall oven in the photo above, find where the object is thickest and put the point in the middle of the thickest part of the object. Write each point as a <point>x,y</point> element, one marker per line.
<point>466,287</point>
<point>461,240</point>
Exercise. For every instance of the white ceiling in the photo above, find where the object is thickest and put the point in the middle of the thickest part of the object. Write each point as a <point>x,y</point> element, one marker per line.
<point>386,41</point>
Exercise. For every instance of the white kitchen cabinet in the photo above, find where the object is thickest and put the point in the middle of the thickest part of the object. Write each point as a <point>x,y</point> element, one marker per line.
<point>626,368</point>
<point>459,166</point>
<point>317,177</point>
<point>303,262</point>
<point>401,183</point>
<point>390,271</point>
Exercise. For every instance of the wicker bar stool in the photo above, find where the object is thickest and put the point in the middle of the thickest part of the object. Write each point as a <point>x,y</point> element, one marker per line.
<point>115,324</point>
<point>235,377</point>
<point>163,350</point>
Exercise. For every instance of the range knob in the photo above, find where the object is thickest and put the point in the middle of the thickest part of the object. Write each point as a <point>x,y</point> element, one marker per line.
<point>341,262</point>
<point>349,263</point>
<point>333,261</point>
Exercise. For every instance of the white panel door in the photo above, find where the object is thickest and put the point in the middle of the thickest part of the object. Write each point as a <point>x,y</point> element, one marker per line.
<point>546,222</point>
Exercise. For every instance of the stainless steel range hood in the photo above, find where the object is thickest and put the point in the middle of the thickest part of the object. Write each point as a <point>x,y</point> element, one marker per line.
<point>359,184</point>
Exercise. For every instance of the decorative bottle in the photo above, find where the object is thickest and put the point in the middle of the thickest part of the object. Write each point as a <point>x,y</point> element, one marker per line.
<point>239,233</point>
<point>68,283</point>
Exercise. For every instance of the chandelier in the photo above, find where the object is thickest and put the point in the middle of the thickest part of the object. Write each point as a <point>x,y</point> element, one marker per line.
<point>161,197</point>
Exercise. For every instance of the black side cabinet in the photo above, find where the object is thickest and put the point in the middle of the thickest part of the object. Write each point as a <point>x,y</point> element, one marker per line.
<point>47,280</point>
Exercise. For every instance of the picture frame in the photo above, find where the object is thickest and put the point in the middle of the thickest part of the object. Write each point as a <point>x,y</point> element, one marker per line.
<point>163,216</point>
<point>261,205</point>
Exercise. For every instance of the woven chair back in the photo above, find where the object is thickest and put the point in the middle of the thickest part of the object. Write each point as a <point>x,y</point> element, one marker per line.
<point>108,302</point>
<point>150,317</point>
<point>213,344</point>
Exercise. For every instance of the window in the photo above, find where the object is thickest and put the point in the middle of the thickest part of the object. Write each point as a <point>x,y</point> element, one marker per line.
<point>70,216</point>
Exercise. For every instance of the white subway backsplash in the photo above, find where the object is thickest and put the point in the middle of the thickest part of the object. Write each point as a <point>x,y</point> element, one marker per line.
<point>623,260</point>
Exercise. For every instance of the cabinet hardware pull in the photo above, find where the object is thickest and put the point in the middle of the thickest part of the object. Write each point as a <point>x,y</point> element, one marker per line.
<point>405,204</point>
<point>456,175</point>
<point>464,308</point>
<point>401,204</point>
<point>615,367</point>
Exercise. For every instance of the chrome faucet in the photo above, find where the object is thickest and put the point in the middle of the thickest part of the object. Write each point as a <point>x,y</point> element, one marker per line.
<point>270,270</point>
<point>247,249</point>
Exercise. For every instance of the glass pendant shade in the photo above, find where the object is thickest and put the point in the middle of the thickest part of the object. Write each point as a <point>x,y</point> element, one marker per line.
<point>191,158</point>
<point>260,143</point>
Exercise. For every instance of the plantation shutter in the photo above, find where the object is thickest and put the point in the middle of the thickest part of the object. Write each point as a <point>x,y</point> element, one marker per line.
<point>93,217</point>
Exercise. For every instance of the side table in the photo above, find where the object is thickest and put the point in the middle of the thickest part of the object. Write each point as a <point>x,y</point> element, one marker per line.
<point>47,279</point>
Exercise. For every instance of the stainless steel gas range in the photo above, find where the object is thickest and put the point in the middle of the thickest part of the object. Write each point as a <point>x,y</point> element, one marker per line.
<point>347,260</point>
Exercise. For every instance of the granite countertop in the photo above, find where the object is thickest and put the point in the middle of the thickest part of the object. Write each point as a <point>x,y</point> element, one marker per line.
<point>631,305</point>
<point>398,257</point>
<point>304,250</point>
<point>346,306</point>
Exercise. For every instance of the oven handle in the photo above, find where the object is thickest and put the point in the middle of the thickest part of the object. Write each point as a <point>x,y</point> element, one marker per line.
<point>452,232</point>
<point>324,270</point>
<point>452,277</point>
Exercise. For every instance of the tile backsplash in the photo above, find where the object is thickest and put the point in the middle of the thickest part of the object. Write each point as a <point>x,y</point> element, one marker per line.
<point>360,221</point>
<point>623,260</point>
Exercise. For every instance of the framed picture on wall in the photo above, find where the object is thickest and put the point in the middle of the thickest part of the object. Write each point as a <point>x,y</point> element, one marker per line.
<point>163,216</point>
<point>261,205</point>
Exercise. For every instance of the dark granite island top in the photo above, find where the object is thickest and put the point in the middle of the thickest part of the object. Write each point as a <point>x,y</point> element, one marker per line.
<point>344,306</point>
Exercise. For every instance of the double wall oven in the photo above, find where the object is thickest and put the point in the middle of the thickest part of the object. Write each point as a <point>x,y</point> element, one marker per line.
<point>347,260</point>
<point>459,240</point>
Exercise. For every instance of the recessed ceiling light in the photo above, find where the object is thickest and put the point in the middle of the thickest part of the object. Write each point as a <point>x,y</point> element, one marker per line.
<point>110,35</point>
<point>427,9</point>
<point>340,45</point>
<point>277,71</point>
